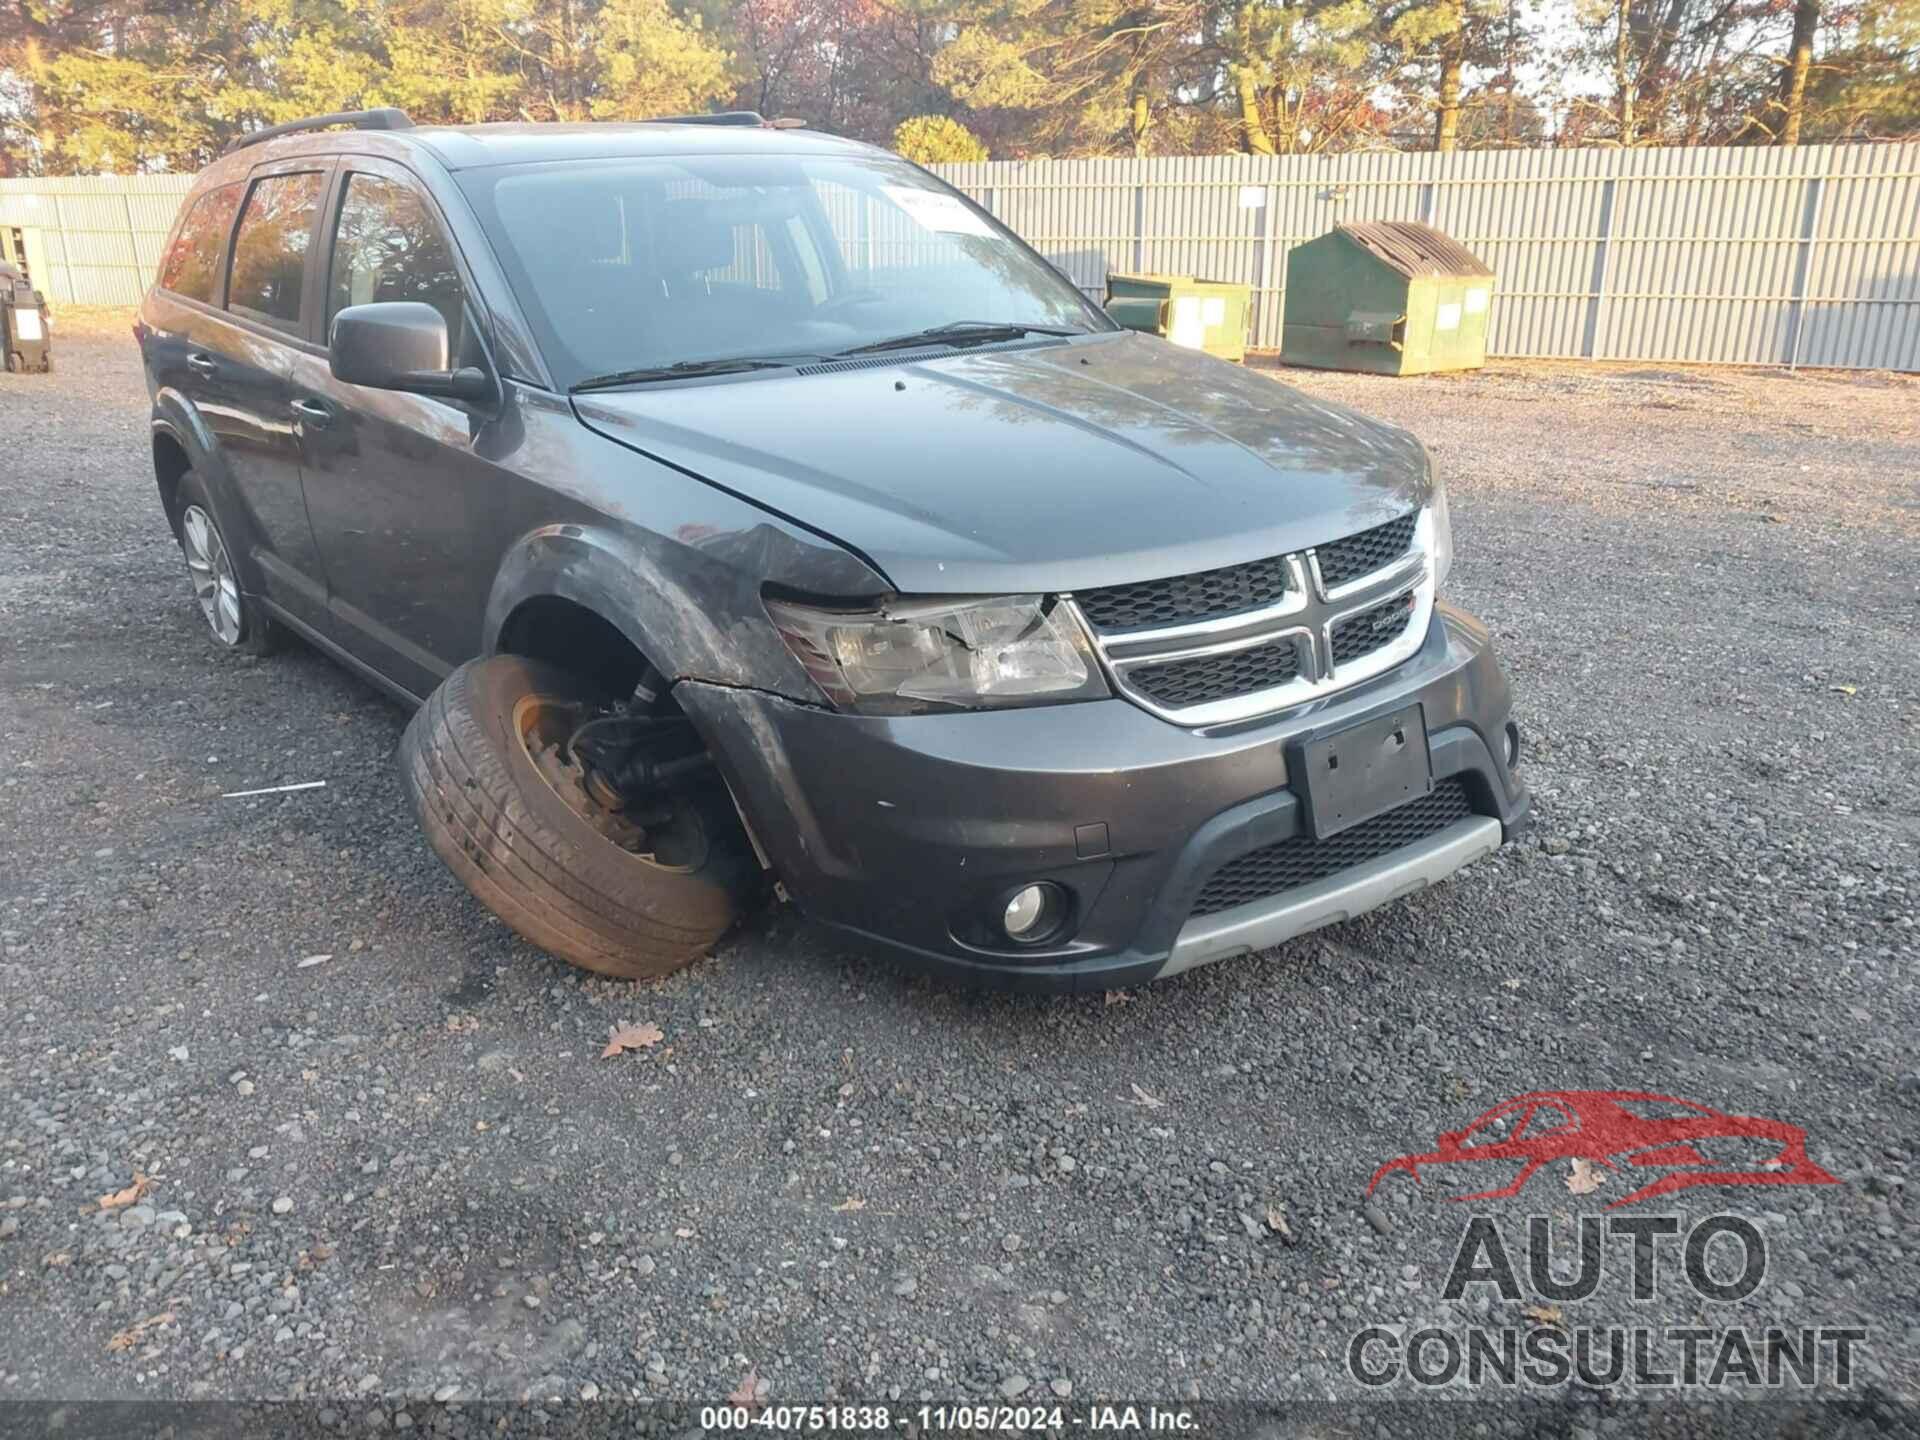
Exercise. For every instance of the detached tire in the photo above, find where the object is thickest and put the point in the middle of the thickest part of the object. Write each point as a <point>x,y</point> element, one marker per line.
<point>545,864</point>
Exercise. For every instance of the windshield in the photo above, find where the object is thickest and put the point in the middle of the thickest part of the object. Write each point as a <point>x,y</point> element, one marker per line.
<point>648,263</point>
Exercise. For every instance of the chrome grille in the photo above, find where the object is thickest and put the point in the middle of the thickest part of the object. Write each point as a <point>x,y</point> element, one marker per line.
<point>1224,645</point>
<point>1301,860</point>
<point>1180,683</point>
<point>1366,552</point>
<point>1206,595</point>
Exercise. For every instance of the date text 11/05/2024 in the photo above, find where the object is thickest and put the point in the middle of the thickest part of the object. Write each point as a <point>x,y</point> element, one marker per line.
<point>933,1419</point>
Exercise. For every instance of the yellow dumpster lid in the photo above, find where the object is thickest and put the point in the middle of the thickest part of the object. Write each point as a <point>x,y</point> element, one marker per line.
<point>1414,249</point>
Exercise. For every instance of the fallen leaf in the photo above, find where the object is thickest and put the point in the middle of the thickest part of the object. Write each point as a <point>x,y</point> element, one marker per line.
<point>1844,689</point>
<point>1585,1178</point>
<point>852,1202</point>
<point>1512,984</point>
<point>1544,1315</point>
<point>313,960</point>
<point>1119,997</point>
<point>127,1196</point>
<point>1141,1097</point>
<point>744,1392</point>
<point>632,1037</point>
<point>134,1334</point>
<point>684,1233</point>
<point>1277,1222</point>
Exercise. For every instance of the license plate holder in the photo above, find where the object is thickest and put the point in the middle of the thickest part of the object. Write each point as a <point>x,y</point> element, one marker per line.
<point>1353,774</point>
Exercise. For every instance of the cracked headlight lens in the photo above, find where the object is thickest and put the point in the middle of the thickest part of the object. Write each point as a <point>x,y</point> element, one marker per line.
<point>912,655</point>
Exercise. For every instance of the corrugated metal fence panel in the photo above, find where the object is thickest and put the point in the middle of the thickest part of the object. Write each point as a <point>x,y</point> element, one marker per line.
<point>1804,256</point>
<point>100,235</point>
<point>1761,256</point>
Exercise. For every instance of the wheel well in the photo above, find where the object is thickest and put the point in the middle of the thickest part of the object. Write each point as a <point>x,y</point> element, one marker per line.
<point>568,634</point>
<point>170,462</point>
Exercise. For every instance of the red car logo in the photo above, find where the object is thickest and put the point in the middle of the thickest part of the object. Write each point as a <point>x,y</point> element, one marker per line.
<point>1623,1131</point>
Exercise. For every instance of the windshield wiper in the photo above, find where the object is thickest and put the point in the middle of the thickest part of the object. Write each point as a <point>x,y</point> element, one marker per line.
<point>683,369</point>
<point>961,332</point>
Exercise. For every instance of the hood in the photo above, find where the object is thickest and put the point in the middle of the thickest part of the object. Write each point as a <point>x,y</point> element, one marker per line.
<point>1056,468</point>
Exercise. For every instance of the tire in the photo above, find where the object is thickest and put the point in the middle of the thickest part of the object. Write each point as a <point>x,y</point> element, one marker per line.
<point>16,362</point>
<point>534,859</point>
<point>255,632</point>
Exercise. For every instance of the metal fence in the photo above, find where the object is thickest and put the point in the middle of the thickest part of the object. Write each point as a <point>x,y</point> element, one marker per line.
<point>1752,256</point>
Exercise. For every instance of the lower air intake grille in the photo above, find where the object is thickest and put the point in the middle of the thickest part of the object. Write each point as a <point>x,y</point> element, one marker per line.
<point>1301,860</point>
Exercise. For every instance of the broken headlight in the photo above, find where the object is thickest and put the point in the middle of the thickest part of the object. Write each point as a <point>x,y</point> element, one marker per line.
<point>913,655</point>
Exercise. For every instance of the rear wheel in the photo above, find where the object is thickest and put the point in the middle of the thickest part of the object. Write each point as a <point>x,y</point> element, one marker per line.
<point>235,621</point>
<point>626,880</point>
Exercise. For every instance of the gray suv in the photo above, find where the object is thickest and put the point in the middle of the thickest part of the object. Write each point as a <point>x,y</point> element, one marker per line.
<point>742,508</point>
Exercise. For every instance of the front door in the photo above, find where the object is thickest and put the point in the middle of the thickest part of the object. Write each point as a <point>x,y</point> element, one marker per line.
<point>410,516</point>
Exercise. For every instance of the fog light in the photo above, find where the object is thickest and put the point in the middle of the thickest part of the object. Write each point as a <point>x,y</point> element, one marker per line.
<point>1031,912</point>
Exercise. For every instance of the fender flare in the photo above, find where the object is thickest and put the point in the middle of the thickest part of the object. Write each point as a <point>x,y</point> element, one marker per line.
<point>175,417</point>
<point>611,573</point>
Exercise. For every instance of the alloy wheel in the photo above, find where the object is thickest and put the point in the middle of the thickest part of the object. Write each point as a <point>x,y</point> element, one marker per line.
<point>211,571</point>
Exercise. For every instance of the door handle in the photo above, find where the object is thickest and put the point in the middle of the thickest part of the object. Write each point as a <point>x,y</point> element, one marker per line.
<point>314,413</point>
<point>201,364</point>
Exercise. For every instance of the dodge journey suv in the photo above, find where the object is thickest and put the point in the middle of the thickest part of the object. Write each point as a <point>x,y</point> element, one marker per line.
<point>742,508</point>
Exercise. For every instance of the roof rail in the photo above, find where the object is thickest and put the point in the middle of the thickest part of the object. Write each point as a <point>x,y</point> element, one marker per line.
<point>383,119</point>
<point>716,117</point>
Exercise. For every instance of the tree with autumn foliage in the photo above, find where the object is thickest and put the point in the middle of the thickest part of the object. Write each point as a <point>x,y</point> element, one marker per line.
<point>91,85</point>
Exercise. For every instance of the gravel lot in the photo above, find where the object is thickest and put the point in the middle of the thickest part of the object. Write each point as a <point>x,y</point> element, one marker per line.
<point>403,1170</point>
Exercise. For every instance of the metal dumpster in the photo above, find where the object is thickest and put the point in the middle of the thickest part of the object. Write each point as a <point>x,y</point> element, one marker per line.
<point>25,341</point>
<point>1209,315</point>
<point>1390,296</point>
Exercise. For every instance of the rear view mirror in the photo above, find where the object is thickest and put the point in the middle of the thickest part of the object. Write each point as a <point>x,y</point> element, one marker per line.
<point>401,345</point>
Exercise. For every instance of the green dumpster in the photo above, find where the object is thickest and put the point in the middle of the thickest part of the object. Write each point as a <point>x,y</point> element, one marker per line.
<point>1209,315</point>
<point>1389,296</point>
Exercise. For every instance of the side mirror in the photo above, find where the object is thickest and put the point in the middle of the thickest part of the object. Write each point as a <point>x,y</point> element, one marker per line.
<point>401,345</point>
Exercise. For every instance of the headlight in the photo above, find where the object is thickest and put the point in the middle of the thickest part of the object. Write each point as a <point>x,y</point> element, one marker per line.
<point>1442,524</point>
<point>913,655</point>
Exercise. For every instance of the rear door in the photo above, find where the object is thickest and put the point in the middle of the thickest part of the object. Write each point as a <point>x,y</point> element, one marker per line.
<point>410,515</point>
<point>242,362</point>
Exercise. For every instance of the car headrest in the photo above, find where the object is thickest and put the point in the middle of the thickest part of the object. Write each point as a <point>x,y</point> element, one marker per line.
<point>690,239</point>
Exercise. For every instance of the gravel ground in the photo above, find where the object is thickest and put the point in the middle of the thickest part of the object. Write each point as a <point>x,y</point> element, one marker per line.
<point>403,1170</point>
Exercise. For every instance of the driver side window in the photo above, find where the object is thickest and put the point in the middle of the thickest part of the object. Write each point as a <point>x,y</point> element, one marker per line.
<point>389,246</point>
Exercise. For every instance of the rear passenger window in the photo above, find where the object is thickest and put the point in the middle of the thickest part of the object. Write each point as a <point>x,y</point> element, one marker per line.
<point>270,250</point>
<point>192,263</point>
<point>389,246</point>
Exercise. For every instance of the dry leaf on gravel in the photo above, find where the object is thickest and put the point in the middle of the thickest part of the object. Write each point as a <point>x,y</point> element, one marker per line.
<point>1844,689</point>
<point>127,1196</point>
<point>743,1393</point>
<point>134,1334</point>
<point>852,1202</point>
<point>1585,1178</point>
<point>1544,1315</point>
<point>1142,1098</point>
<point>1277,1222</point>
<point>1119,997</point>
<point>632,1037</point>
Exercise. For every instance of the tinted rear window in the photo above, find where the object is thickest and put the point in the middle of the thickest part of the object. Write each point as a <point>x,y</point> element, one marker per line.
<point>270,250</point>
<point>192,263</point>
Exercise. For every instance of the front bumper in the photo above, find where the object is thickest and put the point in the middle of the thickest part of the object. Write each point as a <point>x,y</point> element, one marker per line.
<point>901,831</point>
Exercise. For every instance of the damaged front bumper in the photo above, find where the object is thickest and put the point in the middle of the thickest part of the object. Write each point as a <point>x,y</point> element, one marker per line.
<point>907,833</point>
